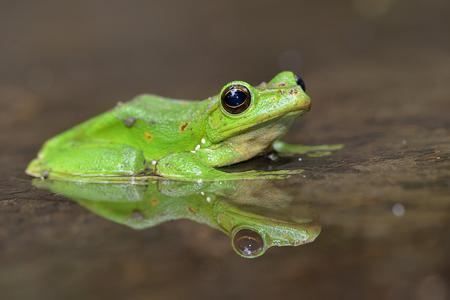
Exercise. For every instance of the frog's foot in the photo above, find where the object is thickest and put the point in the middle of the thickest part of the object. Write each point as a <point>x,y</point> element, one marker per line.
<point>285,149</point>
<point>184,166</point>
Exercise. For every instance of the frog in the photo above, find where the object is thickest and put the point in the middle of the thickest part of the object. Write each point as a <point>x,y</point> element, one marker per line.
<point>156,137</point>
<point>254,222</point>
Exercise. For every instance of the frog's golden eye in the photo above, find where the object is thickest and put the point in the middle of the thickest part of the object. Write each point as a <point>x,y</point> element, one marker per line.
<point>236,99</point>
<point>248,243</point>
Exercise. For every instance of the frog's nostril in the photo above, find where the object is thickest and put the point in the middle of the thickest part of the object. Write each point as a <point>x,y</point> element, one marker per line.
<point>300,82</point>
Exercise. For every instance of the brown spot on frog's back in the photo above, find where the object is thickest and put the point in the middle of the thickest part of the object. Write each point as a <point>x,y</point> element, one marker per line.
<point>148,136</point>
<point>192,210</point>
<point>183,126</point>
<point>154,202</point>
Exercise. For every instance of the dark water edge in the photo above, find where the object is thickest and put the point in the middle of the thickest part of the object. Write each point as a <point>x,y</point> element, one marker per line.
<point>378,77</point>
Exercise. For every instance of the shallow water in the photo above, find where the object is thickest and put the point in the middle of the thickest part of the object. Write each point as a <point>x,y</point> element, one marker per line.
<point>378,76</point>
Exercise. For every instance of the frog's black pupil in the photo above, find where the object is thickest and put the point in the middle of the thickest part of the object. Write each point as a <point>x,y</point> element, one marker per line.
<point>236,99</point>
<point>248,242</point>
<point>301,83</point>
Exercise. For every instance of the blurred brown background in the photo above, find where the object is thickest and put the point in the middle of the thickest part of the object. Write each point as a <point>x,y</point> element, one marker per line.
<point>378,72</point>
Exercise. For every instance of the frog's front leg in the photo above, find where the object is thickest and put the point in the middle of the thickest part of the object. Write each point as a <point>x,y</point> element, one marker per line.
<point>285,149</point>
<point>190,166</point>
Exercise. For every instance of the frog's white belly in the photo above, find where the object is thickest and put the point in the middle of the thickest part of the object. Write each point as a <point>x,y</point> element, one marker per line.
<point>256,141</point>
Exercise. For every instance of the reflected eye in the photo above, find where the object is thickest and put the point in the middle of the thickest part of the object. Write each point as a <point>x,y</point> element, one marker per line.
<point>300,82</point>
<point>236,99</point>
<point>248,243</point>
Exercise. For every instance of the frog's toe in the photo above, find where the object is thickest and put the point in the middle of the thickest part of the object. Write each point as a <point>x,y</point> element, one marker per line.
<point>35,169</point>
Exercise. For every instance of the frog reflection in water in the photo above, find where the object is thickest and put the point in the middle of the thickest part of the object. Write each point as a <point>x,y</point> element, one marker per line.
<point>183,140</point>
<point>253,219</point>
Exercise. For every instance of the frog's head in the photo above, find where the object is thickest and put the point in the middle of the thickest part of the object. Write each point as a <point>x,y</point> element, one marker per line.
<point>253,232</point>
<point>252,242</point>
<point>240,107</point>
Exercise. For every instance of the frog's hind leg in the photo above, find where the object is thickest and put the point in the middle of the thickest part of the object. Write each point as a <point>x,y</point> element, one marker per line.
<point>102,161</point>
<point>285,149</point>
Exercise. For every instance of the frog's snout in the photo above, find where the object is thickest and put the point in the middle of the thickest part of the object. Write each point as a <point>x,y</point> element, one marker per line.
<point>304,103</point>
<point>307,105</point>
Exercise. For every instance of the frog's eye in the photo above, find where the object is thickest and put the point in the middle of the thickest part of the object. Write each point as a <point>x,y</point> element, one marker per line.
<point>236,99</point>
<point>248,243</point>
<point>300,82</point>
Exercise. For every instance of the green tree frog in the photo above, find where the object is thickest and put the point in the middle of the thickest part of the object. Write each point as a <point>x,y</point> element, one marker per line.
<point>152,136</point>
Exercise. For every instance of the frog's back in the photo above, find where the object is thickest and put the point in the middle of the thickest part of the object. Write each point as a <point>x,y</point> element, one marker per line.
<point>155,125</point>
<point>157,109</point>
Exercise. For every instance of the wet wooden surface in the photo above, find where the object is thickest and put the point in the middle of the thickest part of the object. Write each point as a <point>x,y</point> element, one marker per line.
<point>378,73</point>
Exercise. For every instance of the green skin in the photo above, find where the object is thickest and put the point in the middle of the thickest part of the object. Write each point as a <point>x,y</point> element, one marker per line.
<point>144,206</point>
<point>152,136</point>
